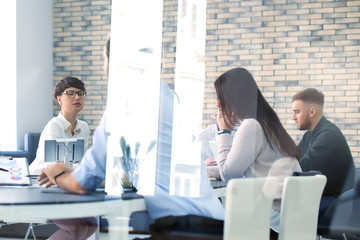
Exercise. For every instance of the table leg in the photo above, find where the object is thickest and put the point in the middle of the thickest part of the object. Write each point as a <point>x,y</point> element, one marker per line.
<point>118,215</point>
<point>118,227</point>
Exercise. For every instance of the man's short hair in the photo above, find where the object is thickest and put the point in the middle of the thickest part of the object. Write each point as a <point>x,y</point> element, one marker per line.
<point>310,95</point>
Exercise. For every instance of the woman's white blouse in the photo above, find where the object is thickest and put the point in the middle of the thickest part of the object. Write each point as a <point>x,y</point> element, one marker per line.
<point>57,128</point>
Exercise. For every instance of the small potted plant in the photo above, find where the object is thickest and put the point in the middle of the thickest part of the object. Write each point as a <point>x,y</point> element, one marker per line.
<point>131,165</point>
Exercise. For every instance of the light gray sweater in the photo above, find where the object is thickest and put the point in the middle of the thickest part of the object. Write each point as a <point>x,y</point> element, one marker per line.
<point>249,154</point>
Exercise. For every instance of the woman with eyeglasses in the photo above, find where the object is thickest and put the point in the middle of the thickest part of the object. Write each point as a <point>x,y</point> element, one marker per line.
<point>69,93</point>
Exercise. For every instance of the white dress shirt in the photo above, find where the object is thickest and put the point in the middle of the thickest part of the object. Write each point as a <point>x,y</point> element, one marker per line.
<point>57,128</point>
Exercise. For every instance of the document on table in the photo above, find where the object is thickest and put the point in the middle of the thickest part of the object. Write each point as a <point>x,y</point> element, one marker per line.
<point>14,172</point>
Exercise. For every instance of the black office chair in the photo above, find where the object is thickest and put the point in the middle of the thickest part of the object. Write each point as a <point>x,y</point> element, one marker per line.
<point>342,219</point>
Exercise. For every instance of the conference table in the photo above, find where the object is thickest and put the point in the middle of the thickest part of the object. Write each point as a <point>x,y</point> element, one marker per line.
<point>33,205</point>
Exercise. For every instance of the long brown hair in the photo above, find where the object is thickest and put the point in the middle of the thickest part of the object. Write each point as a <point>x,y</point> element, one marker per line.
<point>240,98</point>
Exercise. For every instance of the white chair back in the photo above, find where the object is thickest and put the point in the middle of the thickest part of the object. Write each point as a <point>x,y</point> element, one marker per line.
<point>300,207</point>
<point>248,207</point>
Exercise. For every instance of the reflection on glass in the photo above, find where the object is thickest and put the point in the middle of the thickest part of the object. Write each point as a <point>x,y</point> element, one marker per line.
<point>153,122</point>
<point>187,177</point>
<point>133,96</point>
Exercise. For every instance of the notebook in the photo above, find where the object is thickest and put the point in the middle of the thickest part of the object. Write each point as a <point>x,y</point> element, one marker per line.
<point>14,172</point>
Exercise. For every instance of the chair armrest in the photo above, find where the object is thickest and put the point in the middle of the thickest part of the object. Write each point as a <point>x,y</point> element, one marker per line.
<point>16,154</point>
<point>310,173</point>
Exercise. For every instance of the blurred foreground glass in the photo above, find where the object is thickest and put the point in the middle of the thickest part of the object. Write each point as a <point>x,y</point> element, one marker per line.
<point>155,99</point>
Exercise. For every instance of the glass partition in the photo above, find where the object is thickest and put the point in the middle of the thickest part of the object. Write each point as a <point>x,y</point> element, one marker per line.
<point>133,96</point>
<point>166,55</point>
<point>155,98</point>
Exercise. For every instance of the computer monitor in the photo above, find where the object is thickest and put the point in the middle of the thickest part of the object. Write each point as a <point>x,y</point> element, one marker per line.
<point>68,150</point>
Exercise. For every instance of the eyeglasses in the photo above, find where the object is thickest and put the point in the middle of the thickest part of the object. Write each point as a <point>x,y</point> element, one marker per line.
<point>71,93</point>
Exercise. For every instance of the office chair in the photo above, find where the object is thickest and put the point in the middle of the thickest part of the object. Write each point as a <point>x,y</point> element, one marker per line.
<point>300,207</point>
<point>31,142</point>
<point>342,219</point>
<point>248,208</point>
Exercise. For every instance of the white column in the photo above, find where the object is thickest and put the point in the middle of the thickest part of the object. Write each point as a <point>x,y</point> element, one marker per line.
<point>26,67</point>
<point>8,75</point>
<point>34,45</point>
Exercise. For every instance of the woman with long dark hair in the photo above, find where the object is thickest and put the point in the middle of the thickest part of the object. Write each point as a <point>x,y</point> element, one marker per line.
<point>261,146</point>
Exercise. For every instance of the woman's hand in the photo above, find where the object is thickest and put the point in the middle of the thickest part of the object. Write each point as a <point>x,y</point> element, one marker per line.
<point>222,121</point>
<point>210,162</point>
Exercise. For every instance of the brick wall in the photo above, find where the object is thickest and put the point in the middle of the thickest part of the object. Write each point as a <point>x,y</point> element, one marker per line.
<point>286,45</point>
<point>169,34</point>
<point>289,46</point>
<point>80,32</point>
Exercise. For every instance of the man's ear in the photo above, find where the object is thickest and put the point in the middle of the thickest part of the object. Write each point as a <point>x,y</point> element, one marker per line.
<point>313,111</point>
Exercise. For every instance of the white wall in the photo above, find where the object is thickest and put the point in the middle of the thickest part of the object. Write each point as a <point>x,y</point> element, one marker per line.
<point>8,75</point>
<point>34,72</point>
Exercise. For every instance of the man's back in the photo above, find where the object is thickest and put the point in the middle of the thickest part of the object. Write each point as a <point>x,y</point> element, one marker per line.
<point>325,149</point>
